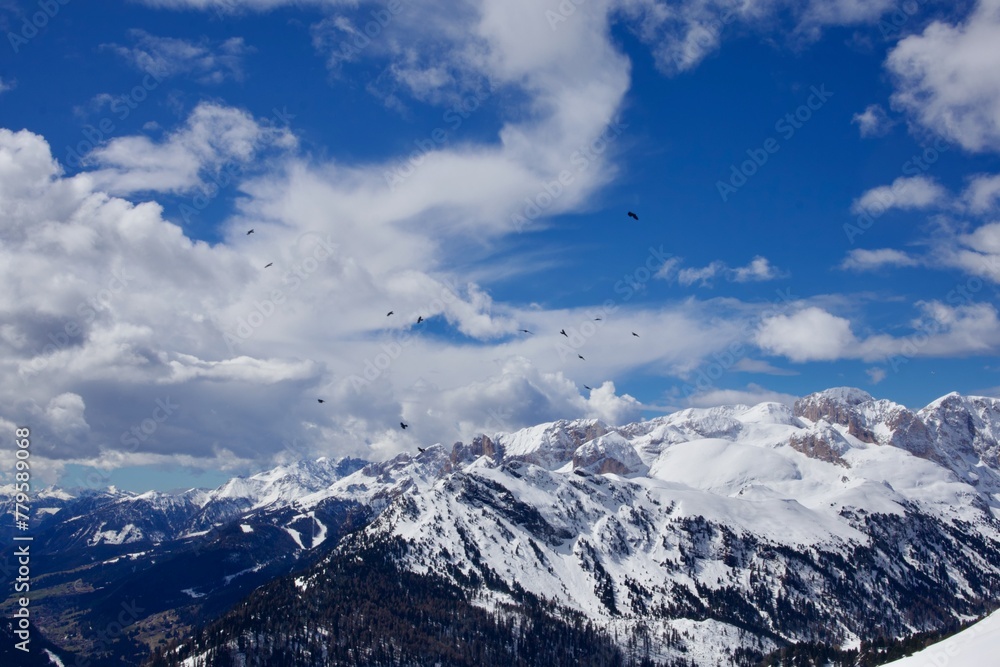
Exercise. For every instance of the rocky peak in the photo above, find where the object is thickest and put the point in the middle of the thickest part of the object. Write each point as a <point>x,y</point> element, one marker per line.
<point>481,445</point>
<point>608,453</point>
<point>837,406</point>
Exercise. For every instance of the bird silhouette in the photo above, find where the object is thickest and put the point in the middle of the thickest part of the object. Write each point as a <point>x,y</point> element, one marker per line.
<point>404,425</point>
<point>563,332</point>
<point>586,387</point>
<point>421,450</point>
<point>635,334</point>
<point>633,215</point>
<point>581,356</point>
<point>597,319</point>
<point>267,265</point>
<point>420,318</point>
<point>389,313</point>
<point>321,400</point>
<point>250,232</point>
<point>524,331</point>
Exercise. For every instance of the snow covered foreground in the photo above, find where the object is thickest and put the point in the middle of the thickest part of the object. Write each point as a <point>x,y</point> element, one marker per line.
<point>976,646</point>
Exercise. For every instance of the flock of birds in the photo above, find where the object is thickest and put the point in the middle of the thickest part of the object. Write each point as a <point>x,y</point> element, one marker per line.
<point>420,319</point>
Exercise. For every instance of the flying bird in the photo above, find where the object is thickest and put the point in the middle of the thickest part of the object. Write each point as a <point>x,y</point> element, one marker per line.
<point>404,425</point>
<point>563,332</point>
<point>321,400</point>
<point>420,318</point>
<point>524,331</point>
<point>389,313</point>
<point>633,215</point>
<point>581,356</point>
<point>421,450</point>
<point>597,319</point>
<point>250,232</point>
<point>586,387</point>
<point>635,334</point>
<point>267,265</point>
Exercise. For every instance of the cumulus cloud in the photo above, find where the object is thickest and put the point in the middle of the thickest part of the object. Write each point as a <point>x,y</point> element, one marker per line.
<point>906,192</point>
<point>945,78</point>
<point>214,137</point>
<point>811,334</point>
<point>982,195</point>
<point>114,310</point>
<point>860,259</point>
<point>169,56</point>
<point>873,121</point>
<point>976,253</point>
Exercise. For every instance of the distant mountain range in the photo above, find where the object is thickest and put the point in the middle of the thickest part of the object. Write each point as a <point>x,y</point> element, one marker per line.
<point>833,529</point>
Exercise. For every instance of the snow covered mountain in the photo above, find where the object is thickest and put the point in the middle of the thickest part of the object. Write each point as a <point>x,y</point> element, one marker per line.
<point>708,537</point>
<point>719,535</point>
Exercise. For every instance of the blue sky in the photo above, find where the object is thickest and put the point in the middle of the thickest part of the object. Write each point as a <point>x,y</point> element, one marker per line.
<point>817,185</point>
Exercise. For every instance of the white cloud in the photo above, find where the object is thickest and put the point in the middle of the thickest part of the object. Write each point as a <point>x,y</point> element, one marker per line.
<point>860,259</point>
<point>942,330</point>
<point>214,137</point>
<point>906,192</point>
<point>976,253</point>
<point>982,195</point>
<point>873,121</point>
<point>6,85</point>
<point>169,56</point>
<point>681,35</point>
<point>946,79</point>
<point>876,374</point>
<point>759,269</point>
<point>811,334</point>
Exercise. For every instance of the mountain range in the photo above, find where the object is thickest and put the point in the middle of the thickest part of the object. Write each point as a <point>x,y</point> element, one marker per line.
<point>840,530</point>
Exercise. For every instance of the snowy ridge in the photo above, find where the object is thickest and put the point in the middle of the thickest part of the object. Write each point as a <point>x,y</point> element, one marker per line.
<point>669,521</point>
